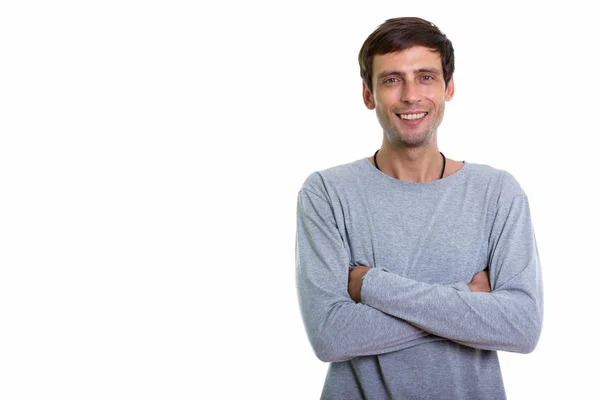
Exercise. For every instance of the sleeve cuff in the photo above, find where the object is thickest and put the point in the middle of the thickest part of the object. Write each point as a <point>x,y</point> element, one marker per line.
<point>460,286</point>
<point>368,280</point>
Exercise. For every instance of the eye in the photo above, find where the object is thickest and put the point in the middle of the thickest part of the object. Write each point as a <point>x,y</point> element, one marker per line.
<point>391,80</point>
<point>428,78</point>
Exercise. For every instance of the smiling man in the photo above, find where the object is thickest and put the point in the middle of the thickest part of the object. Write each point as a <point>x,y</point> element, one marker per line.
<point>414,269</point>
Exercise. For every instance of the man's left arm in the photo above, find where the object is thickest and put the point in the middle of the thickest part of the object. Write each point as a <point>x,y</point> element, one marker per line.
<point>509,318</point>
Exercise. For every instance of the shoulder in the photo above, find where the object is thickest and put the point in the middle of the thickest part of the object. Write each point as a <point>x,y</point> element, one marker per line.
<point>499,183</point>
<point>333,179</point>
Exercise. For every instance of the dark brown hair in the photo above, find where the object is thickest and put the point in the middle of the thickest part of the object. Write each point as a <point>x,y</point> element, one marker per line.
<point>399,34</point>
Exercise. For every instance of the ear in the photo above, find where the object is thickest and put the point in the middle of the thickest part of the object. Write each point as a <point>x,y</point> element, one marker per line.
<point>368,97</point>
<point>450,90</point>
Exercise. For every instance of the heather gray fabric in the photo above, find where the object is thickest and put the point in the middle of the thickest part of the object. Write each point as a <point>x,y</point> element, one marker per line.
<point>420,333</point>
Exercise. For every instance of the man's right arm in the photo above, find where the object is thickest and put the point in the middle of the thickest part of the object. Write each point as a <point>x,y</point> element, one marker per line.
<point>337,327</point>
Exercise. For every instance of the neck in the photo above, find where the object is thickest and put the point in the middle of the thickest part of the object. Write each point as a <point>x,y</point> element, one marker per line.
<point>421,164</point>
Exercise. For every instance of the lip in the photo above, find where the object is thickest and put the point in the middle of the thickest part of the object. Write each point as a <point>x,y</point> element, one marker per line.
<point>412,122</point>
<point>412,112</point>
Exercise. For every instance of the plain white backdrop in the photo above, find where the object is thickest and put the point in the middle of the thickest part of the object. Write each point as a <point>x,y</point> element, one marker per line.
<point>150,157</point>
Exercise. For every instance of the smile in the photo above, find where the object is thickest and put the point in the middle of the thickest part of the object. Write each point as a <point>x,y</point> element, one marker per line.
<point>412,116</point>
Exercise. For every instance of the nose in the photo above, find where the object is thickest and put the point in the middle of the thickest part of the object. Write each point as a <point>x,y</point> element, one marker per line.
<point>409,92</point>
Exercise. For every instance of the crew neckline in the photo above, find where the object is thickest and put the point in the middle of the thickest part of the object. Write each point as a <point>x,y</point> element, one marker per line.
<point>416,185</point>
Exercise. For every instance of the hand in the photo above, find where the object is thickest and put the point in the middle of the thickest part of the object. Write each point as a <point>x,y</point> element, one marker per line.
<point>480,282</point>
<point>355,279</point>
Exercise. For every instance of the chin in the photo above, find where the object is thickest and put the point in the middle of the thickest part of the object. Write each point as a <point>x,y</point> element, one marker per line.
<point>409,141</point>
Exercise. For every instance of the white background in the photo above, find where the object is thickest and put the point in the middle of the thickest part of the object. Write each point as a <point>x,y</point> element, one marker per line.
<point>150,157</point>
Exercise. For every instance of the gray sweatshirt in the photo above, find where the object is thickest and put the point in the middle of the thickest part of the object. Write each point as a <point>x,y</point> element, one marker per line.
<point>419,333</point>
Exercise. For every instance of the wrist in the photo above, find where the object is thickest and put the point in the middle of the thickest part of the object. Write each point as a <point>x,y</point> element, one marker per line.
<point>364,272</point>
<point>357,276</point>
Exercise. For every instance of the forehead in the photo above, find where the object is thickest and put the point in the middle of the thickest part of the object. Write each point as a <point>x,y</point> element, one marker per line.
<point>413,58</point>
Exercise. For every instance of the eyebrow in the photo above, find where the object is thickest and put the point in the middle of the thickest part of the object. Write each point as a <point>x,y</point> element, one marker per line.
<point>416,71</point>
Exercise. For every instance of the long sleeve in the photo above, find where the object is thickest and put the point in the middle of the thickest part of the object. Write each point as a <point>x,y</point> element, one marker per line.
<point>337,327</point>
<point>509,318</point>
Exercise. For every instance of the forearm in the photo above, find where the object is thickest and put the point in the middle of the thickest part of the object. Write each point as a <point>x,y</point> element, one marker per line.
<point>341,330</point>
<point>344,329</point>
<point>506,319</point>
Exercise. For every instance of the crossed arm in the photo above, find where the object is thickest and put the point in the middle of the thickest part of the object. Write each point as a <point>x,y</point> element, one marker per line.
<point>479,283</point>
<point>347,316</point>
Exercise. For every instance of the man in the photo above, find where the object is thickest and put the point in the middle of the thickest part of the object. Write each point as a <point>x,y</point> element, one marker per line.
<point>414,269</point>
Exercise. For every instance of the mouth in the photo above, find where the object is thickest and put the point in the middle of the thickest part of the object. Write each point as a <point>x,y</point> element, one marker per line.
<point>412,116</point>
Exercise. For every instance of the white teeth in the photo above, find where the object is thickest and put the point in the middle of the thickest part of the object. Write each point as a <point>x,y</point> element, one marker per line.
<point>412,116</point>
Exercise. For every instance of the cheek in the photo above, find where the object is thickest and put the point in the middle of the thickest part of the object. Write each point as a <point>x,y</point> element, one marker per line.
<point>433,92</point>
<point>386,95</point>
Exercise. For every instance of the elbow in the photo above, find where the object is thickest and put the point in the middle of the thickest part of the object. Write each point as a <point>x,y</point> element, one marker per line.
<point>530,335</point>
<point>331,357</point>
<point>330,345</point>
<point>330,333</point>
<point>527,345</point>
<point>328,350</point>
<point>329,337</point>
<point>532,340</point>
<point>325,355</point>
<point>321,348</point>
<point>526,327</point>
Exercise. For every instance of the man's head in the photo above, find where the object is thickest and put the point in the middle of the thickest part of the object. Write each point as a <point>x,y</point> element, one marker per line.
<point>407,66</point>
<point>398,34</point>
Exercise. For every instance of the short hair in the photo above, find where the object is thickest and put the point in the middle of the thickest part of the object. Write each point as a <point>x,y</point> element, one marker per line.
<point>398,34</point>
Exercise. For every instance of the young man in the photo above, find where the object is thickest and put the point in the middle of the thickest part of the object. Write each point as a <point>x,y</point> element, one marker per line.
<point>414,269</point>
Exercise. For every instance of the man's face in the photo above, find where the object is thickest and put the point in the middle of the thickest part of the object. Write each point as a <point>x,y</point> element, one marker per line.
<point>409,95</point>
